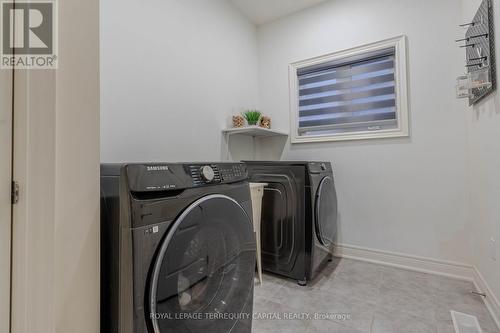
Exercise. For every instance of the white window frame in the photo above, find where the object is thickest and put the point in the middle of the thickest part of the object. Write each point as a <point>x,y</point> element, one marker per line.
<point>401,86</point>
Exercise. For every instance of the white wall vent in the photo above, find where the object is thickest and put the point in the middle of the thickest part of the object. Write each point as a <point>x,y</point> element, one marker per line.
<point>465,323</point>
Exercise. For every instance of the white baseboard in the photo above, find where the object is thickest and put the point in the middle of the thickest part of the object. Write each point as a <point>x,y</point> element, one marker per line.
<point>420,264</point>
<point>490,300</point>
<point>426,265</point>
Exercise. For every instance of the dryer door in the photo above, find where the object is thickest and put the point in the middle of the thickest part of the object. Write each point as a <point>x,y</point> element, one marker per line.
<point>202,278</point>
<point>326,212</point>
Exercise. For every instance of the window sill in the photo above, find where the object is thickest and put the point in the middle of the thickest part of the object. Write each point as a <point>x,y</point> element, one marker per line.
<point>350,137</point>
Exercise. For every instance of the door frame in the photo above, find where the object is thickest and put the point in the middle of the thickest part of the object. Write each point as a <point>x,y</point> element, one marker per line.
<point>55,230</point>
<point>6,148</point>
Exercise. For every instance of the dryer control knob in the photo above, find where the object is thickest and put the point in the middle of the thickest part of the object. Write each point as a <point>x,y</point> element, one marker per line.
<point>207,173</point>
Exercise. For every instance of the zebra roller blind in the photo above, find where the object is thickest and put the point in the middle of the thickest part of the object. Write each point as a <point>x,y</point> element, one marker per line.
<point>353,94</point>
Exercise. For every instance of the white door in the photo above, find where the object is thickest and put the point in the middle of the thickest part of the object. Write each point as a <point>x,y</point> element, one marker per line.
<point>5,195</point>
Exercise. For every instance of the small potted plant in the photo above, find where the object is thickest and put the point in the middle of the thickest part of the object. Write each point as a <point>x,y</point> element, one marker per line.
<point>252,117</point>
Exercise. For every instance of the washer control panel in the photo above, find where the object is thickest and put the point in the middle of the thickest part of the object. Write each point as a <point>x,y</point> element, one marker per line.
<point>205,174</point>
<point>319,167</point>
<point>155,177</point>
<point>233,172</point>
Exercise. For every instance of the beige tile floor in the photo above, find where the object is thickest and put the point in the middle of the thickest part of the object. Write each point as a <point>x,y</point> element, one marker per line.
<point>360,297</point>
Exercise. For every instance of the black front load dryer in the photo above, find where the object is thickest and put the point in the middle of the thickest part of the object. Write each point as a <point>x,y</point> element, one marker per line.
<point>299,216</point>
<point>177,248</point>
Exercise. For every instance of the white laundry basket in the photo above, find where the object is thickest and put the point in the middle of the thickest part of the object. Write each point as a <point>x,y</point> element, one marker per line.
<point>257,192</point>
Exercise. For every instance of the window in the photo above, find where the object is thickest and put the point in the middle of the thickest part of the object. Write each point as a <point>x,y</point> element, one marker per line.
<point>354,94</point>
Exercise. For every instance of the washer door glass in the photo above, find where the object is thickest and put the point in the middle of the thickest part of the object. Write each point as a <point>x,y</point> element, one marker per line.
<point>203,276</point>
<point>326,212</point>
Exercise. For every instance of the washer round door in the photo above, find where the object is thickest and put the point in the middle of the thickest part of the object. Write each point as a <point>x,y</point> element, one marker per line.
<point>203,275</point>
<point>326,212</point>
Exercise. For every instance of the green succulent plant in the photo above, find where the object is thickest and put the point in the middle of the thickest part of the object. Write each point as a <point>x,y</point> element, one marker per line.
<point>252,116</point>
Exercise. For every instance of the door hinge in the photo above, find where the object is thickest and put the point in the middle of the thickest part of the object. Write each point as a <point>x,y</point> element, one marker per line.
<point>15,192</point>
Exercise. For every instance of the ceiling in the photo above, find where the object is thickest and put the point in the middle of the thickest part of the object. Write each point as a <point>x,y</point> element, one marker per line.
<point>263,11</point>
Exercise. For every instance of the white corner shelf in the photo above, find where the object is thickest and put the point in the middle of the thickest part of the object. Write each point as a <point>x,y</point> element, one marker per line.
<point>254,131</point>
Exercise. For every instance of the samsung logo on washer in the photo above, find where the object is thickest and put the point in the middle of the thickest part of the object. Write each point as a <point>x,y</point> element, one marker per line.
<point>157,168</point>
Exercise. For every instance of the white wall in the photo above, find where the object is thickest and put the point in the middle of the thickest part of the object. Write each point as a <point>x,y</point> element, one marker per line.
<point>483,122</point>
<point>172,72</point>
<point>402,195</point>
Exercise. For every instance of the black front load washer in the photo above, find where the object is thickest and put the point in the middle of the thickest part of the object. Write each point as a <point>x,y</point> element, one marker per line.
<point>299,216</point>
<point>177,248</point>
